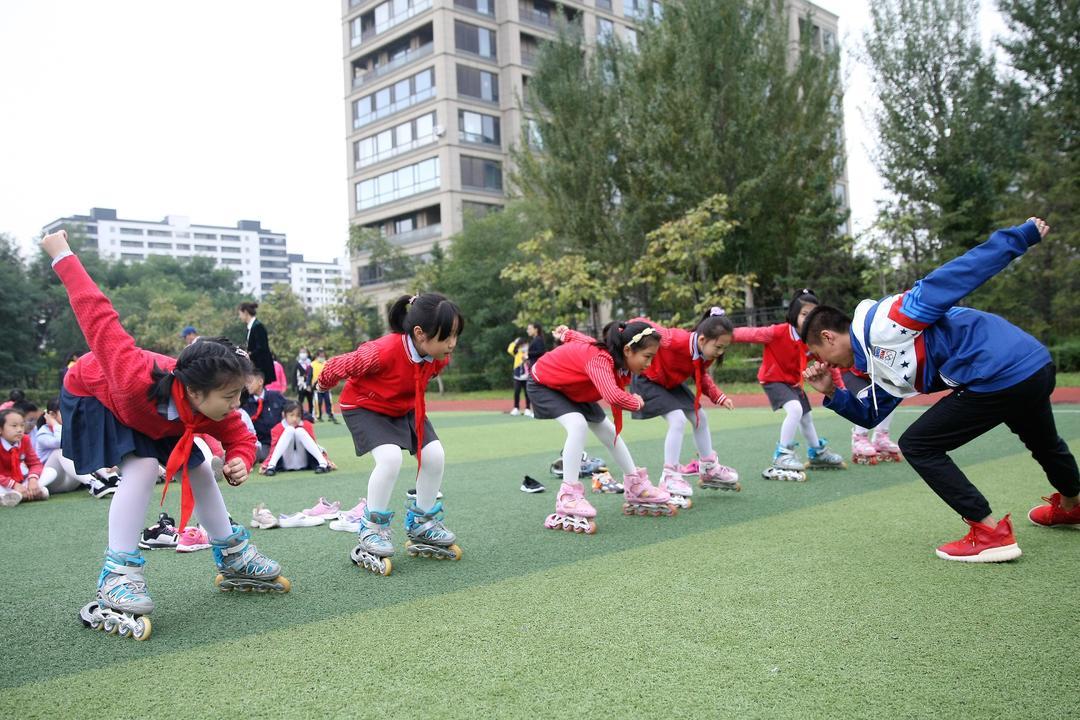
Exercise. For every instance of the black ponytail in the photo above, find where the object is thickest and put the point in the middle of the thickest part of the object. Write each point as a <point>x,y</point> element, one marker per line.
<point>800,298</point>
<point>206,365</point>
<point>50,407</point>
<point>617,335</point>
<point>438,317</point>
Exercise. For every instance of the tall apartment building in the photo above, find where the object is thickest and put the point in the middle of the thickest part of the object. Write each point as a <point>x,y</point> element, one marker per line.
<point>318,284</point>
<point>432,90</point>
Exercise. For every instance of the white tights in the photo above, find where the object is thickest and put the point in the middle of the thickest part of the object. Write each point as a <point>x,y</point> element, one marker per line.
<point>676,420</point>
<point>388,460</point>
<point>59,475</point>
<point>576,428</point>
<point>796,420</point>
<point>293,447</point>
<point>127,513</point>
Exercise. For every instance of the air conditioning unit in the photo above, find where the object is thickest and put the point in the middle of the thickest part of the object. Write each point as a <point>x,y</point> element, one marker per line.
<point>439,130</point>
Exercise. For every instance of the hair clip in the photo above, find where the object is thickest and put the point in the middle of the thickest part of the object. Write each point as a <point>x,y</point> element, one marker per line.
<point>413,299</point>
<point>243,353</point>
<point>716,311</point>
<point>641,335</point>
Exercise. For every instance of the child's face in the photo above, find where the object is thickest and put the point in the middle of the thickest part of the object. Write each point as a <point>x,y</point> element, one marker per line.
<point>638,360</point>
<point>712,348</point>
<point>294,418</point>
<point>14,427</point>
<point>429,345</point>
<point>219,402</point>
<point>255,384</point>
<point>31,421</point>
<point>803,312</point>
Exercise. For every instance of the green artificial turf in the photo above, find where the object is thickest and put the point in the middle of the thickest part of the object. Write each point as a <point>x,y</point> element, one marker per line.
<point>821,599</point>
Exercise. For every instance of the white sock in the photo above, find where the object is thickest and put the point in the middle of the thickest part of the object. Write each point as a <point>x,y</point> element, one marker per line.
<point>676,422</point>
<point>576,429</point>
<point>382,479</point>
<point>431,474</point>
<point>605,433</point>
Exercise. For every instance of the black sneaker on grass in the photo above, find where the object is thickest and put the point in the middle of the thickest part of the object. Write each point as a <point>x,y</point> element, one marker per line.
<point>161,535</point>
<point>412,494</point>
<point>530,485</point>
<point>103,485</point>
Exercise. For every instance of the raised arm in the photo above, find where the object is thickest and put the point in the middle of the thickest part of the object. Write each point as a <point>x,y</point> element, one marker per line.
<point>602,374</point>
<point>113,348</point>
<point>361,361</point>
<point>930,298</point>
<point>760,335</point>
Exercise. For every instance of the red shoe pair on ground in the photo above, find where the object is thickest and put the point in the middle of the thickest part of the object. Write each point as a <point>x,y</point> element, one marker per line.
<point>998,544</point>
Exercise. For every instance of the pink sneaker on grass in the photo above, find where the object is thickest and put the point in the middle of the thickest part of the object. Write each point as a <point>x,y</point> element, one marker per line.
<point>192,539</point>
<point>324,510</point>
<point>350,519</point>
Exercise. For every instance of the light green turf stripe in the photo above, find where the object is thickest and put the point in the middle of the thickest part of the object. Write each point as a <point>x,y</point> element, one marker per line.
<point>834,611</point>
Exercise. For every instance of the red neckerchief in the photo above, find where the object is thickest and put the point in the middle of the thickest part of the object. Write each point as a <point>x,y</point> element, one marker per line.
<point>178,458</point>
<point>258,410</point>
<point>16,463</point>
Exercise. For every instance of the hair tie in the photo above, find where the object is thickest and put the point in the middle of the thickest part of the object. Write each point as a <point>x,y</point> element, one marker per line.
<point>413,299</point>
<point>641,335</point>
<point>242,353</point>
<point>716,312</point>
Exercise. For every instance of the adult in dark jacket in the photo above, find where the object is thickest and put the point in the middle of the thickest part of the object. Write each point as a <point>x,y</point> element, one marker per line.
<point>258,344</point>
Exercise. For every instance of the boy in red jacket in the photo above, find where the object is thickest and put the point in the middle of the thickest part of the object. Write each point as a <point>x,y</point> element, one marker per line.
<point>133,408</point>
<point>20,469</point>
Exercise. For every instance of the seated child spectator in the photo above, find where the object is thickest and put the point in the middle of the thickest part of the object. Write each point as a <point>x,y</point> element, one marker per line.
<point>293,446</point>
<point>20,468</point>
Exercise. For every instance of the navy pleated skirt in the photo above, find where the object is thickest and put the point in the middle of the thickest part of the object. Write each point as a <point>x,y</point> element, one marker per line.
<point>93,438</point>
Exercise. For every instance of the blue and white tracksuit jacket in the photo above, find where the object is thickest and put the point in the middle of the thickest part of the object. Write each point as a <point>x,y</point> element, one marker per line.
<point>917,342</point>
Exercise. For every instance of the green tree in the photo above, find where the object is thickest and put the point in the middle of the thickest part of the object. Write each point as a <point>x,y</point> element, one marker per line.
<point>393,264</point>
<point>20,360</point>
<point>949,130</point>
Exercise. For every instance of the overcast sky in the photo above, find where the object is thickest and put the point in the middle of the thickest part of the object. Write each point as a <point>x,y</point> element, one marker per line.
<point>222,111</point>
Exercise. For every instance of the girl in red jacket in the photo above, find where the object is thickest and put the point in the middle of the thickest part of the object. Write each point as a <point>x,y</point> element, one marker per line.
<point>780,375</point>
<point>20,468</point>
<point>133,408</point>
<point>383,406</point>
<point>565,385</point>
<point>686,354</point>
<point>293,445</point>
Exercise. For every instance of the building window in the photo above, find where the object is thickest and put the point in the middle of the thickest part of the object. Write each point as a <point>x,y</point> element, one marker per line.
<point>131,231</point>
<point>131,243</point>
<point>409,180</point>
<point>205,236</point>
<point>473,39</point>
<point>183,246</point>
<point>230,261</point>
<point>394,98</point>
<point>605,29</point>
<point>132,256</point>
<point>394,141</point>
<point>481,173</point>
<point>159,246</point>
<point>204,248</point>
<point>230,248</point>
<point>159,233</point>
<point>482,7</point>
<point>476,210</point>
<point>270,252</point>
<point>271,241</point>
<point>532,134</point>
<point>478,128</point>
<point>234,238</point>
<point>476,83</point>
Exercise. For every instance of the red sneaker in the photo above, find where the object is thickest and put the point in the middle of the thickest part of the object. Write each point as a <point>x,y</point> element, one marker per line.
<point>1053,515</point>
<point>983,544</point>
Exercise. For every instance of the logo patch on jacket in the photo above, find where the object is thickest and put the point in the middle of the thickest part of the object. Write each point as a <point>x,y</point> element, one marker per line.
<point>884,355</point>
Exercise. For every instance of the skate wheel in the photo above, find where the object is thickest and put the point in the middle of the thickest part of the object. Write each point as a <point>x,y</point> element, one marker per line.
<point>627,510</point>
<point>456,550</point>
<point>591,530</point>
<point>689,504</point>
<point>284,584</point>
<point>142,629</point>
<point>387,567</point>
<point>217,583</point>
<point>110,626</point>
<point>123,630</point>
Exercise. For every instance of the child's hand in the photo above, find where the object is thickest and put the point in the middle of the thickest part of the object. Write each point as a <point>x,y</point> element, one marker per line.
<point>728,403</point>
<point>235,472</point>
<point>55,243</point>
<point>1044,229</point>
<point>640,400</point>
<point>558,332</point>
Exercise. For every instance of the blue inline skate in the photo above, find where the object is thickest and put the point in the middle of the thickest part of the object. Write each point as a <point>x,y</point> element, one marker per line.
<point>428,537</point>
<point>242,567</point>
<point>122,603</point>
<point>373,546</point>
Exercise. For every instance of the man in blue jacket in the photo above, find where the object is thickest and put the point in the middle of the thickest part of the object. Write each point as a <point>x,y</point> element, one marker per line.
<point>919,342</point>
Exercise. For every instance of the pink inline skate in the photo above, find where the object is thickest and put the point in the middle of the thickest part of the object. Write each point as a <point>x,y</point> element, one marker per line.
<point>863,451</point>
<point>715,476</point>
<point>680,490</point>
<point>887,450</point>
<point>573,513</point>
<point>641,497</point>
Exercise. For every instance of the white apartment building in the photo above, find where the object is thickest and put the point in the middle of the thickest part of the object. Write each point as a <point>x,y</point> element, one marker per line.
<point>256,254</point>
<point>318,284</point>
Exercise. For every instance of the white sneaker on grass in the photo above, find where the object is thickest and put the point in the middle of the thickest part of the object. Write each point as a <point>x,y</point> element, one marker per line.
<point>299,519</point>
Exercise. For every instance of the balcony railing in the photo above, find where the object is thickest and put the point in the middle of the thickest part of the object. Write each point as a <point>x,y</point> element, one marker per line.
<point>413,236</point>
<point>396,150</point>
<point>529,56</point>
<point>379,71</point>
<point>418,7</point>
<point>528,14</point>
<point>394,107</point>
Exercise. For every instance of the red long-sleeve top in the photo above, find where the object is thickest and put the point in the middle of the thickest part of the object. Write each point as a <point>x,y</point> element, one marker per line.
<point>784,357</point>
<point>380,376</point>
<point>675,362</point>
<point>584,372</point>
<point>118,373</point>
<point>11,463</point>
